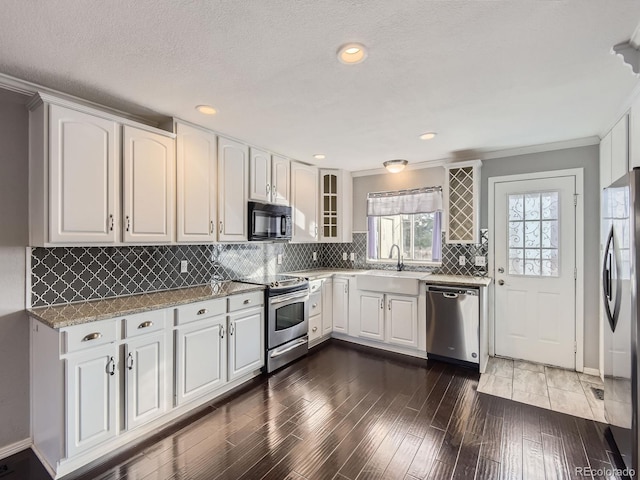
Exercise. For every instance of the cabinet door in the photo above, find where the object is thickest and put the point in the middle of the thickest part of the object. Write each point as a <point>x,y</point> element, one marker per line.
<point>402,320</point>
<point>196,170</point>
<point>605,161</point>
<point>281,180</point>
<point>259,176</point>
<point>83,177</point>
<point>327,306</point>
<point>201,358</point>
<point>304,200</point>
<point>246,342</point>
<point>145,363</point>
<point>330,221</point>
<point>371,315</point>
<point>462,200</point>
<point>315,327</point>
<point>233,174</point>
<point>149,179</point>
<point>634,134</point>
<point>340,305</point>
<point>91,398</point>
<point>619,149</point>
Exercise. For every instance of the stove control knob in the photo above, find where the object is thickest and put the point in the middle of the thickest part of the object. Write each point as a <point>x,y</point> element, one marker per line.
<point>277,284</point>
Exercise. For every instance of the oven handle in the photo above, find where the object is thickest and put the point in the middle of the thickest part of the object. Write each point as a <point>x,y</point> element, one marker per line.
<point>292,296</point>
<point>277,353</point>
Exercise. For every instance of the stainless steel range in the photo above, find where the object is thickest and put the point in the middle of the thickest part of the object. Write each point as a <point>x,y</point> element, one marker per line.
<point>287,318</point>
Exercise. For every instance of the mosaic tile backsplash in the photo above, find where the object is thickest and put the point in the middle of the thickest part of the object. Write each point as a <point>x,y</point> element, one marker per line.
<point>72,274</point>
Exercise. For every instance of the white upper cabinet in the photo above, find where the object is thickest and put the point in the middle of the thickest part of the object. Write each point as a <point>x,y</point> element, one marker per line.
<point>280,180</point>
<point>148,180</point>
<point>605,161</point>
<point>196,187</point>
<point>260,176</point>
<point>233,173</point>
<point>74,176</point>
<point>620,148</point>
<point>634,134</point>
<point>462,202</point>
<point>336,215</point>
<point>304,200</point>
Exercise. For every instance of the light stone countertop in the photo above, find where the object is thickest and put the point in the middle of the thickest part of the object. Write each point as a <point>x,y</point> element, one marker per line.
<point>66,315</point>
<point>434,279</point>
<point>314,274</point>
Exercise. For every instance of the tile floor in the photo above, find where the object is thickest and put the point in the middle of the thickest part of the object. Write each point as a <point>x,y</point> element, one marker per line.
<point>547,387</point>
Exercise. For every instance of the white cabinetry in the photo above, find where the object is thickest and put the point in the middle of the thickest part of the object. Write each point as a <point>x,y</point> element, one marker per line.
<point>327,306</point>
<point>233,174</point>
<point>196,189</point>
<point>260,176</point>
<point>371,308</point>
<point>634,134</point>
<point>148,181</point>
<point>280,180</point>
<point>605,161</point>
<point>341,305</point>
<point>304,200</point>
<point>402,320</point>
<point>462,202</point>
<point>336,216</point>
<point>246,342</point>
<point>620,148</point>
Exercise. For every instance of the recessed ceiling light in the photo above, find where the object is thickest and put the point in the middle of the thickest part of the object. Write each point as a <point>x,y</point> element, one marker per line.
<point>428,136</point>
<point>206,109</point>
<point>395,166</point>
<point>352,53</point>
<point>319,156</point>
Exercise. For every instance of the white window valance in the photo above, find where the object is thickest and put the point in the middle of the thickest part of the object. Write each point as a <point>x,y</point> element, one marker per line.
<point>418,200</point>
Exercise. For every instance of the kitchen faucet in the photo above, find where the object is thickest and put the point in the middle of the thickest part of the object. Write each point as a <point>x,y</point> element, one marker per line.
<point>400,264</point>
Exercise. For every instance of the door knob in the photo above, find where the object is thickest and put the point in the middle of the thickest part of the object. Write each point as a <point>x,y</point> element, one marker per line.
<point>500,282</point>
<point>501,270</point>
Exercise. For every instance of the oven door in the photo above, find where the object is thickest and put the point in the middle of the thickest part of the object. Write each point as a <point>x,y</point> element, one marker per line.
<point>288,317</point>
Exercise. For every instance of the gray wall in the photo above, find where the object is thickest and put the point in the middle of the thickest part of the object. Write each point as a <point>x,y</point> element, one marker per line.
<point>582,157</point>
<point>425,177</point>
<point>14,331</point>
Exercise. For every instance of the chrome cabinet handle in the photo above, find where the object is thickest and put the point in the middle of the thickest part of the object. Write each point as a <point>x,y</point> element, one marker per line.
<point>231,329</point>
<point>128,223</point>
<point>211,228</point>
<point>221,332</point>
<point>315,305</point>
<point>247,301</point>
<point>92,336</point>
<point>220,227</point>
<point>146,324</point>
<point>111,371</point>
<point>202,311</point>
<point>389,305</point>
<point>130,361</point>
<point>314,329</point>
<point>381,304</point>
<point>111,222</point>
<point>268,189</point>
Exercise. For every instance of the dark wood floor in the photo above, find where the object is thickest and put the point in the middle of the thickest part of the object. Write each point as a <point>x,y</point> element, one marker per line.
<point>345,413</point>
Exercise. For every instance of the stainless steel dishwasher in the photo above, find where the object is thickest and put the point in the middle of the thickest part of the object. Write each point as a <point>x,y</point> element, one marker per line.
<point>453,324</point>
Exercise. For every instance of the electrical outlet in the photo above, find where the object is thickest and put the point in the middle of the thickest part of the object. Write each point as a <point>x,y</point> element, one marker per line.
<point>184,266</point>
<point>315,256</point>
<point>352,257</point>
<point>344,255</point>
<point>462,260</point>
<point>279,259</point>
<point>481,261</point>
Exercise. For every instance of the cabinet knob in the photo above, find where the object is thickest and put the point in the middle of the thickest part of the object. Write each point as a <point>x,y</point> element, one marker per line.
<point>314,305</point>
<point>500,270</point>
<point>314,329</point>
<point>500,282</point>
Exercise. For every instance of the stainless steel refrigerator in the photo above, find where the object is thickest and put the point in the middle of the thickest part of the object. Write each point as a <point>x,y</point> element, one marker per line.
<point>620,267</point>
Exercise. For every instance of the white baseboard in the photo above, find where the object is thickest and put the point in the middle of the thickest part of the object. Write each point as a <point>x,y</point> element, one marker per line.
<point>14,448</point>
<point>591,371</point>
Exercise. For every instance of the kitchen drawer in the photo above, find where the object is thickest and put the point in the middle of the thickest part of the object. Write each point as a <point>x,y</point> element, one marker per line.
<point>315,304</point>
<point>143,323</point>
<point>246,300</point>
<point>315,286</point>
<point>315,327</point>
<point>89,335</point>
<point>197,311</point>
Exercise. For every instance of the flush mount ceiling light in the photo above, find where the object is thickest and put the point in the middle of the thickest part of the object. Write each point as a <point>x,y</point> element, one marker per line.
<point>319,156</point>
<point>206,109</point>
<point>395,166</point>
<point>352,53</point>
<point>428,135</point>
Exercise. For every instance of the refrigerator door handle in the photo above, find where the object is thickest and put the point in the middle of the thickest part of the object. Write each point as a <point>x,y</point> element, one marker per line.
<point>610,268</point>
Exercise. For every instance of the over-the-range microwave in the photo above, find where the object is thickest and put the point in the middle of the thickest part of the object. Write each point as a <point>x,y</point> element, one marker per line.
<point>269,222</point>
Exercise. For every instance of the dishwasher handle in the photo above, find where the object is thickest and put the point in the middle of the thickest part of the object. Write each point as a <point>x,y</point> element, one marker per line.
<point>452,292</point>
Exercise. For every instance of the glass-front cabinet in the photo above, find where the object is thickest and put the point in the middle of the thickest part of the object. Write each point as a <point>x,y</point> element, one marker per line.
<point>335,206</point>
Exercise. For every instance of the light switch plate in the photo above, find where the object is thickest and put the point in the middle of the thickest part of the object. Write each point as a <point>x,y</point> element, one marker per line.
<point>315,256</point>
<point>344,255</point>
<point>184,266</point>
<point>279,259</point>
<point>462,260</point>
<point>352,257</point>
<point>480,261</point>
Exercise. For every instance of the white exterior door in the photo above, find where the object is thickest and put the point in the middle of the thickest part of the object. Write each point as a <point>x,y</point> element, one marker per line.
<point>402,320</point>
<point>83,176</point>
<point>259,176</point>
<point>145,384</point>
<point>535,262</point>
<point>149,182</point>
<point>196,172</point>
<point>372,315</point>
<point>246,343</point>
<point>304,202</point>
<point>340,305</point>
<point>233,175</point>
<point>281,180</point>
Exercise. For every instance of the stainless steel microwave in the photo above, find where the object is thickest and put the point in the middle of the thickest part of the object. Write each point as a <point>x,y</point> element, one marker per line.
<point>269,222</point>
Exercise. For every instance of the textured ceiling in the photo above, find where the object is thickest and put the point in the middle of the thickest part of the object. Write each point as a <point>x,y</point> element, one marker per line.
<point>485,74</point>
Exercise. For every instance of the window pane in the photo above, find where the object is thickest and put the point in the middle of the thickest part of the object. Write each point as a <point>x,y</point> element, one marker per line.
<point>532,206</point>
<point>516,234</point>
<point>549,202</point>
<point>516,207</point>
<point>516,261</point>
<point>423,236</point>
<point>532,234</point>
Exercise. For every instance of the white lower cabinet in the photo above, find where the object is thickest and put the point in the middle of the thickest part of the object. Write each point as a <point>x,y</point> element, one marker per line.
<point>91,398</point>
<point>340,305</point>
<point>371,315</point>
<point>327,306</point>
<point>388,318</point>
<point>246,342</point>
<point>315,327</point>
<point>201,358</point>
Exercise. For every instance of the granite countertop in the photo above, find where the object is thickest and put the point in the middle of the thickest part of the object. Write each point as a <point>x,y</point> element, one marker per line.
<point>313,274</point>
<point>437,279</point>
<point>59,316</point>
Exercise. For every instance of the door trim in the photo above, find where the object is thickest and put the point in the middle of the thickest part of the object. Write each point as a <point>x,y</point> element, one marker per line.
<point>578,174</point>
